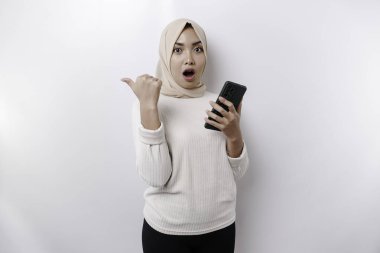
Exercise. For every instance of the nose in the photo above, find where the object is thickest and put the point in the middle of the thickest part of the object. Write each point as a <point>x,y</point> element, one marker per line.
<point>189,59</point>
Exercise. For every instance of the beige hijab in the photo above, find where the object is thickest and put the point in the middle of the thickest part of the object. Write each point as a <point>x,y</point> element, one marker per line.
<point>168,37</point>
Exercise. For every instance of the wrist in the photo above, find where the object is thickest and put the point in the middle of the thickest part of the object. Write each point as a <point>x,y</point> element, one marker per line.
<point>235,146</point>
<point>235,138</point>
<point>149,117</point>
<point>148,107</point>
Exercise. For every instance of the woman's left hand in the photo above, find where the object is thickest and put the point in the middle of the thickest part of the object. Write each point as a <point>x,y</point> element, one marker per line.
<point>229,124</point>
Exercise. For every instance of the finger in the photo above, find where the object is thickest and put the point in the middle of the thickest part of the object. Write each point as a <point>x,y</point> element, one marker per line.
<point>229,104</point>
<point>156,82</point>
<point>128,81</point>
<point>219,109</point>
<point>213,123</point>
<point>145,76</point>
<point>155,79</point>
<point>216,117</point>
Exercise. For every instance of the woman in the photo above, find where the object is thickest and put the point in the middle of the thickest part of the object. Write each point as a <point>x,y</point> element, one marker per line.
<point>191,171</point>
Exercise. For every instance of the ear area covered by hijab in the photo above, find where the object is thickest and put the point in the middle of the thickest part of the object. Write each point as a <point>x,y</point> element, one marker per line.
<point>168,37</point>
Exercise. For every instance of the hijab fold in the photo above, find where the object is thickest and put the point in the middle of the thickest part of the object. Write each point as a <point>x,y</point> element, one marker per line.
<point>168,38</point>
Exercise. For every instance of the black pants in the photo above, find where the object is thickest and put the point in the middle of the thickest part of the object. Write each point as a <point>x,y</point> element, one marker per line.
<point>220,241</point>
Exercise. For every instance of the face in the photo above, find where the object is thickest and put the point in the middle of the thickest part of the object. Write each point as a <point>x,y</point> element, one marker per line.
<point>188,59</point>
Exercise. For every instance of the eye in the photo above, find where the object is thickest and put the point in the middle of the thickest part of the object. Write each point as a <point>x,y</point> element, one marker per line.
<point>198,49</point>
<point>177,50</point>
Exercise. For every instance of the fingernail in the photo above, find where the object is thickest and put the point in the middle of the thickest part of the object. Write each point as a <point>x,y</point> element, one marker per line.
<point>221,98</point>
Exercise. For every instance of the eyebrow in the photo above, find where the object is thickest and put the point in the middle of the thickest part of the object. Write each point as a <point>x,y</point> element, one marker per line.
<point>181,44</point>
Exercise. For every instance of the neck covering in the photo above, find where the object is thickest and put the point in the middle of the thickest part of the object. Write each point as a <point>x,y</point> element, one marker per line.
<point>168,38</point>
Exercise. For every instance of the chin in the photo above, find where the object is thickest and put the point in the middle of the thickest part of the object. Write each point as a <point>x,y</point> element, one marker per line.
<point>189,85</point>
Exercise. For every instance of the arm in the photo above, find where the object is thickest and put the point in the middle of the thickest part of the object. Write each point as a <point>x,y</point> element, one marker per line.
<point>149,117</point>
<point>152,153</point>
<point>235,146</point>
<point>239,164</point>
<point>153,160</point>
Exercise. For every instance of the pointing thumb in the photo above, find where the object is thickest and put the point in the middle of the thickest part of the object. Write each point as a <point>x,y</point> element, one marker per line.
<point>128,81</point>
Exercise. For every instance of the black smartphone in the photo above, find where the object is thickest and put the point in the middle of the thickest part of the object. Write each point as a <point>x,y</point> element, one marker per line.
<point>231,91</point>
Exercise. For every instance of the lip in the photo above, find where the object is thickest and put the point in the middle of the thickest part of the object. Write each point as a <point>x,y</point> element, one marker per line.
<point>190,78</point>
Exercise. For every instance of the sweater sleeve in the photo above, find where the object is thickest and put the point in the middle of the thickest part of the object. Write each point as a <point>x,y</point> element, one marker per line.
<point>153,160</point>
<point>239,164</point>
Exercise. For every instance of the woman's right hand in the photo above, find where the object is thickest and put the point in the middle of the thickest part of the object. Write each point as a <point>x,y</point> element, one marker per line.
<point>146,88</point>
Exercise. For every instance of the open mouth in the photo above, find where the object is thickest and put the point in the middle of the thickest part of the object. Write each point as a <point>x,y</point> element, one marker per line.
<point>189,74</point>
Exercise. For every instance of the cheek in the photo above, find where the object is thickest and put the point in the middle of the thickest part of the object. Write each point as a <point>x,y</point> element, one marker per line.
<point>201,60</point>
<point>174,65</point>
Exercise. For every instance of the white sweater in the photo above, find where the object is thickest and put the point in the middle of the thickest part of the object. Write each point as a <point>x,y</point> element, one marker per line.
<point>191,178</point>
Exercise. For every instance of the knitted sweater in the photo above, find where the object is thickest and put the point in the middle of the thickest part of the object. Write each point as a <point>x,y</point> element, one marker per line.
<point>191,179</point>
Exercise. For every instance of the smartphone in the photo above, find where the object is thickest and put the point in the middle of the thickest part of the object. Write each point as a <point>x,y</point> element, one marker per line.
<point>231,91</point>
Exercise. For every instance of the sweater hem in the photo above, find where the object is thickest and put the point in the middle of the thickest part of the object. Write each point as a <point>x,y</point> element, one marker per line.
<point>198,232</point>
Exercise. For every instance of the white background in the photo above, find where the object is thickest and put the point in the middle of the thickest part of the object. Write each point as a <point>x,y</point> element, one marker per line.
<point>310,118</point>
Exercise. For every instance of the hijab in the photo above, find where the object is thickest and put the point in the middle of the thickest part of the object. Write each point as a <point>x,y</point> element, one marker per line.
<point>168,38</point>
